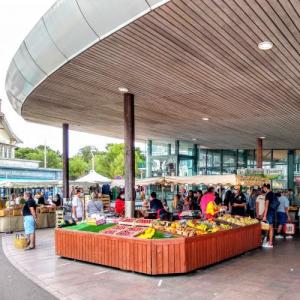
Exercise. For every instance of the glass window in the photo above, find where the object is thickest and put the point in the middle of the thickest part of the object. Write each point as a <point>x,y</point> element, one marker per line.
<point>229,158</point>
<point>297,161</point>
<point>161,149</point>
<point>267,156</point>
<point>186,148</point>
<point>213,158</point>
<point>282,181</point>
<point>186,167</point>
<point>280,156</point>
<point>163,167</point>
<point>251,162</point>
<point>242,158</point>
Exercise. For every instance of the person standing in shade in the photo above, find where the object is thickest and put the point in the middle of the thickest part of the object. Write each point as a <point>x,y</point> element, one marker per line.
<point>269,213</point>
<point>95,206</point>
<point>155,204</point>
<point>238,203</point>
<point>120,204</point>
<point>282,213</point>
<point>30,220</point>
<point>77,207</point>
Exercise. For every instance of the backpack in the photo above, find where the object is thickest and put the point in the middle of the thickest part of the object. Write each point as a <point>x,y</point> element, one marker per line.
<point>274,203</point>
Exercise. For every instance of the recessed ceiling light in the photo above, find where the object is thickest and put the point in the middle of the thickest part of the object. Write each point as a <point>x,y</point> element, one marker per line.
<point>205,119</point>
<point>262,137</point>
<point>265,45</point>
<point>194,139</point>
<point>123,89</point>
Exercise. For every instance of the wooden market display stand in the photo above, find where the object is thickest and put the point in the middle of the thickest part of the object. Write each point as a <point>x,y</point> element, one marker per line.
<point>157,256</point>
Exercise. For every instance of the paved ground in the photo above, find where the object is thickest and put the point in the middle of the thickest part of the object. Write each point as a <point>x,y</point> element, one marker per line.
<point>262,274</point>
<point>15,285</point>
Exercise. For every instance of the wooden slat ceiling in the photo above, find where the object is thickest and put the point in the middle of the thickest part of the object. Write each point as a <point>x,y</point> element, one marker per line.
<point>187,60</point>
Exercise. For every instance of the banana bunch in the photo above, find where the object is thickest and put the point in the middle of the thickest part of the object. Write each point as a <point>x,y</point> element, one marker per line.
<point>148,234</point>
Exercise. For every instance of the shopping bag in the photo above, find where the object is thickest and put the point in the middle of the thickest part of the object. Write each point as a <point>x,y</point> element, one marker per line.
<point>20,241</point>
<point>289,228</point>
<point>265,226</point>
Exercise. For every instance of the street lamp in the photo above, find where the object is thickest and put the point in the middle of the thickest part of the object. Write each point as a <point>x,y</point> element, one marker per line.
<point>93,159</point>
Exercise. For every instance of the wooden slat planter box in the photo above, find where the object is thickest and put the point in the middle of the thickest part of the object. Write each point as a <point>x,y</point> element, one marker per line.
<point>154,257</point>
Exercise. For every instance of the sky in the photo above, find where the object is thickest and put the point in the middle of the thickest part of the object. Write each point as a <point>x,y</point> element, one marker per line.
<point>17,18</point>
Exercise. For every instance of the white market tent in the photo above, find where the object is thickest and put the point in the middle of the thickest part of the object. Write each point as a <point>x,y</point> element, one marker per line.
<point>28,184</point>
<point>93,178</point>
<point>192,180</point>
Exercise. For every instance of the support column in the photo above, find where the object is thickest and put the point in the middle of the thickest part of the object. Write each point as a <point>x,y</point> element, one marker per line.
<point>291,169</point>
<point>259,153</point>
<point>129,136</point>
<point>149,159</point>
<point>66,194</point>
<point>177,157</point>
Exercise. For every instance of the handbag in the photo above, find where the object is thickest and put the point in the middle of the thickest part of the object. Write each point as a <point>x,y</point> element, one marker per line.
<point>265,226</point>
<point>289,228</point>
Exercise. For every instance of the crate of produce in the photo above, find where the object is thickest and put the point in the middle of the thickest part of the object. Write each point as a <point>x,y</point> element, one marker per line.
<point>127,221</point>
<point>4,212</point>
<point>144,222</point>
<point>17,212</point>
<point>51,209</point>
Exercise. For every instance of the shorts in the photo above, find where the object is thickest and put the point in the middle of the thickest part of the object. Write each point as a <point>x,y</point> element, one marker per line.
<point>281,218</point>
<point>29,224</point>
<point>271,217</point>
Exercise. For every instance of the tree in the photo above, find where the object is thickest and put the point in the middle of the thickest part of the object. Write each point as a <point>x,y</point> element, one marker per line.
<point>110,163</point>
<point>86,153</point>
<point>77,167</point>
<point>54,159</point>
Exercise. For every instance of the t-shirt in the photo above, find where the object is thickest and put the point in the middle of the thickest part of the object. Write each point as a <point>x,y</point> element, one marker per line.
<point>95,207</point>
<point>261,204</point>
<point>284,203</point>
<point>76,202</point>
<point>26,209</point>
<point>238,199</point>
<point>270,196</point>
<point>156,204</point>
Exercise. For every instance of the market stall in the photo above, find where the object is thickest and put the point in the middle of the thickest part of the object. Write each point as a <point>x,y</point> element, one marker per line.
<point>163,248</point>
<point>11,219</point>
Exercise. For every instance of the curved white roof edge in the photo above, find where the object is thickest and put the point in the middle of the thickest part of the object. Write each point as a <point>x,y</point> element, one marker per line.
<point>67,29</point>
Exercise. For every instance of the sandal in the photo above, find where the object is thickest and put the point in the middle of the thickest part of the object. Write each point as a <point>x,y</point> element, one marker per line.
<point>29,248</point>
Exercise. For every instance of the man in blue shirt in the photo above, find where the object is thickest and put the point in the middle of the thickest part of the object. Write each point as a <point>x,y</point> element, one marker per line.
<point>155,204</point>
<point>282,213</point>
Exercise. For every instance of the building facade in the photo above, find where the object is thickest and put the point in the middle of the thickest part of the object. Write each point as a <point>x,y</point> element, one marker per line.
<point>19,169</point>
<point>180,158</point>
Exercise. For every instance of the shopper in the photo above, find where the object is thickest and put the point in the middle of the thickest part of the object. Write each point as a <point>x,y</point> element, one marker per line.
<point>176,203</point>
<point>30,220</point>
<point>269,213</point>
<point>57,200</point>
<point>282,213</point>
<point>95,206</point>
<point>77,206</point>
<point>260,204</point>
<point>228,198</point>
<point>251,206</point>
<point>192,201</point>
<point>208,197</point>
<point>238,203</point>
<point>186,204</point>
<point>155,204</point>
<point>41,199</point>
<point>199,197</point>
<point>120,204</point>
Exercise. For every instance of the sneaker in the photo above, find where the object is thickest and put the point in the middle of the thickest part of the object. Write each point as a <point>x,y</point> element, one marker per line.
<point>265,240</point>
<point>267,245</point>
<point>279,236</point>
<point>289,237</point>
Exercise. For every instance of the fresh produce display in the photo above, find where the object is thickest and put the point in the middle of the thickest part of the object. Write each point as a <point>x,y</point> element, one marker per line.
<point>240,221</point>
<point>127,221</point>
<point>110,231</point>
<point>143,222</point>
<point>190,228</point>
<point>148,234</point>
<point>123,230</point>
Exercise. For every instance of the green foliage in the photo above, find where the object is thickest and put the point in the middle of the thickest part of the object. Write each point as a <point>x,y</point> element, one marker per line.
<point>111,162</point>
<point>54,159</point>
<point>77,167</point>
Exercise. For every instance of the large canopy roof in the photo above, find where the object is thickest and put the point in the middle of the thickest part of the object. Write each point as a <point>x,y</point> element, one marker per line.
<point>183,60</point>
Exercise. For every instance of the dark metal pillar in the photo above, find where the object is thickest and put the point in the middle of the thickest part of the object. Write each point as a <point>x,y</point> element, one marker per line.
<point>66,194</point>
<point>129,136</point>
<point>177,157</point>
<point>149,159</point>
<point>259,153</point>
<point>195,160</point>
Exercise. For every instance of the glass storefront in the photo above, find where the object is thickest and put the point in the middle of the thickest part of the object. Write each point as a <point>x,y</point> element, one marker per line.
<point>189,159</point>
